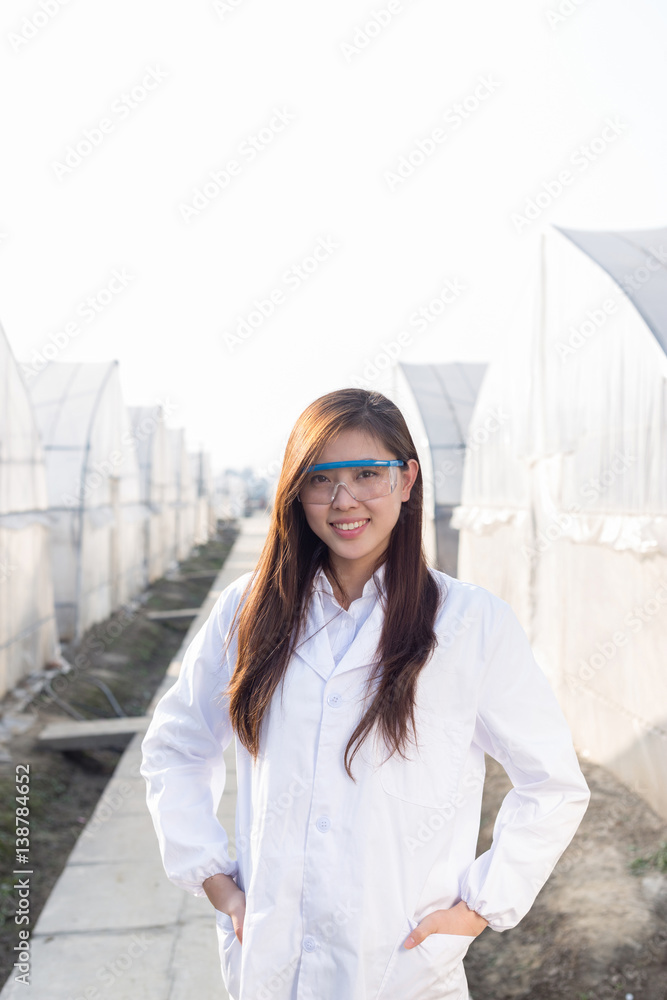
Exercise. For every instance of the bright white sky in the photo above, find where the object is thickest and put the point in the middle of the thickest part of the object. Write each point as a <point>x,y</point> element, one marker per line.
<point>218,77</point>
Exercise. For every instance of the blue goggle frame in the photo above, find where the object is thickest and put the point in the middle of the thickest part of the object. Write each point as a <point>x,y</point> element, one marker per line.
<point>357,462</point>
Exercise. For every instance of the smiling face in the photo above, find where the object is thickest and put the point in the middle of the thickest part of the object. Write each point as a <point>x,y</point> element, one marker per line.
<point>375,518</point>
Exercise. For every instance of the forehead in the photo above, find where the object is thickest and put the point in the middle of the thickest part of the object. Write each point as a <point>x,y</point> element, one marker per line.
<point>351,445</point>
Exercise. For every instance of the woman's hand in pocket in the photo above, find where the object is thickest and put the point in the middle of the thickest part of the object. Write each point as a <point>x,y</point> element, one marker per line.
<point>226,896</point>
<point>457,919</point>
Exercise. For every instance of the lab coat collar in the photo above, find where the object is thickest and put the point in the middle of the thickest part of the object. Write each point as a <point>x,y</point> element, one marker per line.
<point>315,649</point>
<point>374,586</point>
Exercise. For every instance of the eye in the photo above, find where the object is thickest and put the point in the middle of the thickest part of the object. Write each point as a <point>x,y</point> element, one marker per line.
<point>318,478</point>
<point>367,473</point>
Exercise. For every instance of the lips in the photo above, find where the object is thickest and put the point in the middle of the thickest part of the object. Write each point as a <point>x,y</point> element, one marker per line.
<point>353,528</point>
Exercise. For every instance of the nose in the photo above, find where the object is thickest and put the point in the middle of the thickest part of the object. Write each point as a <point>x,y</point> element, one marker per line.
<point>348,499</point>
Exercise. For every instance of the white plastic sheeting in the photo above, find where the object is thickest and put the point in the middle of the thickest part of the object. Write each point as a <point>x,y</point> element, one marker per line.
<point>27,616</point>
<point>205,518</point>
<point>445,396</point>
<point>184,502</point>
<point>564,508</point>
<point>93,491</point>
<point>397,388</point>
<point>158,489</point>
<point>231,494</point>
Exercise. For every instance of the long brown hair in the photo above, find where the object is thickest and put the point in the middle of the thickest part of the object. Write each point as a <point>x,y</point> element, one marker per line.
<point>273,616</point>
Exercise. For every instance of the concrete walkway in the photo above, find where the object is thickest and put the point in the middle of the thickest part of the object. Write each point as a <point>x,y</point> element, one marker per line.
<point>114,927</point>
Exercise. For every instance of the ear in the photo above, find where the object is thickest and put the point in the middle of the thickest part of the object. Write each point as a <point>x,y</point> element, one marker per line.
<point>409,477</point>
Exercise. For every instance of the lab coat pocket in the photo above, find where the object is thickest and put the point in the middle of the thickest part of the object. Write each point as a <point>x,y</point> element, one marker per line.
<point>432,970</point>
<point>428,774</point>
<point>229,948</point>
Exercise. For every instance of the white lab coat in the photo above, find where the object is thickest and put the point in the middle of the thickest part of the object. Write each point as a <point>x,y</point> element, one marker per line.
<point>337,874</point>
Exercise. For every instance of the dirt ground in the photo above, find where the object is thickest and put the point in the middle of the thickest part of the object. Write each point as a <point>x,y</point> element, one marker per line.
<point>128,653</point>
<point>598,929</point>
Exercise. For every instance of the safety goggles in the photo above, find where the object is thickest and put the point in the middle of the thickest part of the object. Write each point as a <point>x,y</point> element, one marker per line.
<point>364,479</point>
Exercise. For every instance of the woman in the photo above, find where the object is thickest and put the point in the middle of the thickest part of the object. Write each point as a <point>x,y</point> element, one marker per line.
<point>355,876</point>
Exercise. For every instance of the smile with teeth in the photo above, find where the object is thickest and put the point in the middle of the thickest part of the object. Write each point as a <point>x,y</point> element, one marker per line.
<point>349,525</point>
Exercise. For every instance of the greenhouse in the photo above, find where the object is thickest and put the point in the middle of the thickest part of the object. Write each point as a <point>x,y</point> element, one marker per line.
<point>94,494</point>
<point>158,489</point>
<point>184,497</point>
<point>564,508</point>
<point>437,401</point>
<point>28,637</point>
<point>205,516</point>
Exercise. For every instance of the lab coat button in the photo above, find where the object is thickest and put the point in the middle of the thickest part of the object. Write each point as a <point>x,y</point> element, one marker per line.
<point>334,700</point>
<point>323,823</point>
<point>309,943</point>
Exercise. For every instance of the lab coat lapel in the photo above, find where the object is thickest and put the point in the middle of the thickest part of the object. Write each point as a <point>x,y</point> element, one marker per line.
<point>315,649</point>
<point>361,652</point>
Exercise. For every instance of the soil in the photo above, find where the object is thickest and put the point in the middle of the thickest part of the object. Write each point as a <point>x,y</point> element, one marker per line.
<point>598,928</point>
<point>130,654</point>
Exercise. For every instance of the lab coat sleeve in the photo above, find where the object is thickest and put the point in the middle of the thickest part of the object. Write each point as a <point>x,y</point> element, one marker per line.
<point>521,725</point>
<point>183,763</point>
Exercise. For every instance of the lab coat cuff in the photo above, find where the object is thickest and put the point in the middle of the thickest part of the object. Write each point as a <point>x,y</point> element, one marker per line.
<point>496,921</point>
<point>194,885</point>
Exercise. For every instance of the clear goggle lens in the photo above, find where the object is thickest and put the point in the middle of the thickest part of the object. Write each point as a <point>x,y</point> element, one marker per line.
<point>362,480</point>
